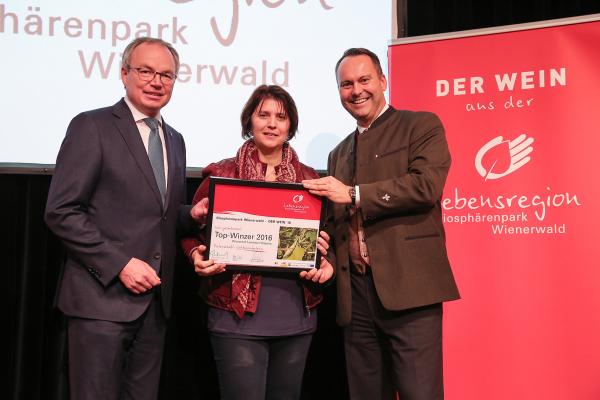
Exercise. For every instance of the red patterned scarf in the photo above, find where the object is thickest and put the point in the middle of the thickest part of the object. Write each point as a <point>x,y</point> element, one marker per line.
<point>251,168</point>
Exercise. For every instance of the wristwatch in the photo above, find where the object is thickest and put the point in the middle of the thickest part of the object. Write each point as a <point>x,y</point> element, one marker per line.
<point>352,193</point>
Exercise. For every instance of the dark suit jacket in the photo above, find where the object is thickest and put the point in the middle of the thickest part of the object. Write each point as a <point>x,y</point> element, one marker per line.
<point>105,205</point>
<point>401,168</point>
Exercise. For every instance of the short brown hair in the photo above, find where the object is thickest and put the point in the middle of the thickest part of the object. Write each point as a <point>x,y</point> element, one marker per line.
<point>136,42</point>
<point>360,51</point>
<point>276,93</point>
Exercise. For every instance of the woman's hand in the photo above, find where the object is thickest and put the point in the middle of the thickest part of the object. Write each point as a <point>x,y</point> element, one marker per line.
<point>199,211</point>
<point>319,275</point>
<point>205,267</point>
<point>323,243</point>
<point>325,270</point>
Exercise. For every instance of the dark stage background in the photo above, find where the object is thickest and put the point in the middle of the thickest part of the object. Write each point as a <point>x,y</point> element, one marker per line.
<point>35,362</point>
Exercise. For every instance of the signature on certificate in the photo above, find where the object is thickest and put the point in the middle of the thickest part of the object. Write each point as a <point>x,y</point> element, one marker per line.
<point>223,246</point>
<point>257,258</point>
<point>219,254</point>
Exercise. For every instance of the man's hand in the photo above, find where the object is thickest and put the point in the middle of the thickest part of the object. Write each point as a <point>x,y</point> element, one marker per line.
<point>205,268</point>
<point>329,187</point>
<point>138,276</point>
<point>199,211</point>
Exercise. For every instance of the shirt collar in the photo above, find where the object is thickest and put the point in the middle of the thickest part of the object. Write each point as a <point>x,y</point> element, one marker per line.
<point>361,129</point>
<point>138,115</point>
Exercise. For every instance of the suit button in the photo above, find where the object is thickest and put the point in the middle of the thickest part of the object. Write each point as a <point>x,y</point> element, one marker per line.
<point>344,267</point>
<point>156,256</point>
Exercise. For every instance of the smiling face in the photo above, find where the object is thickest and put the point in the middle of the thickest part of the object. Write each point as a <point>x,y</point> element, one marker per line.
<point>149,97</point>
<point>361,88</point>
<point>270,126</point>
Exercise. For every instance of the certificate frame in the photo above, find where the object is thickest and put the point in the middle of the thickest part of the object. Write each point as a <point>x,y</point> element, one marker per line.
<point>263,226</point>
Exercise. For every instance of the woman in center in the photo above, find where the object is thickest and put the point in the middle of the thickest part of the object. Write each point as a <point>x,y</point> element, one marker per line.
<point>260,324</point>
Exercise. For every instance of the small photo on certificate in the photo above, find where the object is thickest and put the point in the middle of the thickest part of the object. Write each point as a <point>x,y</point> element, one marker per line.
<point>297,243</point>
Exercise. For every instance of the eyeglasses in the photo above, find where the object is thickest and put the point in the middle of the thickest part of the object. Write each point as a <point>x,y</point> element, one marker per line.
<point>147,75</point>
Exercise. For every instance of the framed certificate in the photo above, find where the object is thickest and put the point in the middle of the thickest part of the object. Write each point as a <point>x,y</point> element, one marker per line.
<point>263,226</point>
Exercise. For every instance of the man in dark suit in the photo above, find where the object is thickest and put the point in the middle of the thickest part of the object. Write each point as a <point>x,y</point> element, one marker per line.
<point>115,200</point>
<point>385,184</point>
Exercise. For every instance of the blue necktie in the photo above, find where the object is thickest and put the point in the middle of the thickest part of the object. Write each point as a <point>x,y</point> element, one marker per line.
<point>155,154</point>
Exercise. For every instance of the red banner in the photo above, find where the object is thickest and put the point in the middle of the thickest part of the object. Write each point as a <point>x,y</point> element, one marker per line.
<point>521,205</point>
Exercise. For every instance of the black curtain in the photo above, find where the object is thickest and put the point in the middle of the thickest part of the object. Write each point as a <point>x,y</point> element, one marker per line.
<point>36,362</point>
<point>36,336</point>
<point>425,17</point>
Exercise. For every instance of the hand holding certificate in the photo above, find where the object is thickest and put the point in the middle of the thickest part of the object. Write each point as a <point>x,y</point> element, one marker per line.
<point>204,267</point>
<point>256,225</point>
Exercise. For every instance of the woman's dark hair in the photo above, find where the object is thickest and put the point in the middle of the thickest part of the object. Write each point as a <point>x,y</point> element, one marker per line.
<point>276,93</point>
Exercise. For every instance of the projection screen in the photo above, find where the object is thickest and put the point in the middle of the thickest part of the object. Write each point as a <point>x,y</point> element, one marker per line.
<point>63,57</point>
